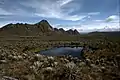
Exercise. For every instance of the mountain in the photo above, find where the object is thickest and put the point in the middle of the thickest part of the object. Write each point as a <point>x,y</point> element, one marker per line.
<point>39,29</point>
<point>72,32</point>
<point>44,25</point>
<point>76,32</point>
<point>62,31</point>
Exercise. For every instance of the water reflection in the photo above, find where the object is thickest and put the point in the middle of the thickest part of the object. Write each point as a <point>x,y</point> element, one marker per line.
<point>75,51</point>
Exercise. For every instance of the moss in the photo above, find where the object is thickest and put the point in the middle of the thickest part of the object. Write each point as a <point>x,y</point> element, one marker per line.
<point>38,49</point>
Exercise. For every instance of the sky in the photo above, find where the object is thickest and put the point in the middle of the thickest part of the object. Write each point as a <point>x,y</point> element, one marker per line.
<point>83,15</point>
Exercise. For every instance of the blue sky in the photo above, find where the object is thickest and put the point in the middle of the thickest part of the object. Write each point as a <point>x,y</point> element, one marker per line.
<point>84,15</point>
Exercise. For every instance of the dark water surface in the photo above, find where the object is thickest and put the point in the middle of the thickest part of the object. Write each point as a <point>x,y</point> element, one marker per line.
<point>75,52</point>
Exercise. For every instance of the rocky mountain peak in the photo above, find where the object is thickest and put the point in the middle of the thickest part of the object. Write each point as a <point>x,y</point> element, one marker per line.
<point>43,22</point>
<point>72,32</point>
<point>45,25</point>
<point>76,32</point>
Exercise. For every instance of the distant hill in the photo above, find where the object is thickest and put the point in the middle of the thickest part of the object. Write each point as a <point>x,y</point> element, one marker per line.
<point>105,33</point>
<point>39,29</point>
<point>112,34</point>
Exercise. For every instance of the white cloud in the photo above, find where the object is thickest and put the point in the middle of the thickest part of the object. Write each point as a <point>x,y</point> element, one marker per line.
<point>89,17</point>
<point>113,18</point>
<point>55,9</point>
<point>60,9</point>
<point>94,13</point>
<point>96,25</point>
<point>100,26</point>
<point>64,2</point>
<point>4,12</point>
<point>3,23</point>
<point>98,20</point>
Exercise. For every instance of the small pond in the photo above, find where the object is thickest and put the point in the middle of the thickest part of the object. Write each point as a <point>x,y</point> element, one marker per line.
<point>75,51</point>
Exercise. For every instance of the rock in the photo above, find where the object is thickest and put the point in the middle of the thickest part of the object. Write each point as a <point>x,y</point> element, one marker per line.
<point>38,55</point>
<point>66,60</point>
<point>32,67</point>
<point>88,60</point>
<point>9,78</point>
<point>3,61</point>
<point>38,64</point>
<point>48,69</point>
<point>102,67</point>
<point>50,58</point>
<point>93,65</point>
<point>25,55</point>
<point>10,56</point>
<point>55,63</point>
<point>70,65</point>
<point>45,60</point>
<point>15,57</point>
<point>3,54</point>
<point>82,64</point>
<point>20,57</point>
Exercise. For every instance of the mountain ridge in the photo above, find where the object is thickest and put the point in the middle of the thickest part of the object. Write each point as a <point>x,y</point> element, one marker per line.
<point>38,29</point>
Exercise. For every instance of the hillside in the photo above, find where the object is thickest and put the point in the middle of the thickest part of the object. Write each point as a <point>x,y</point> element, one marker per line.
<point>39,29</point>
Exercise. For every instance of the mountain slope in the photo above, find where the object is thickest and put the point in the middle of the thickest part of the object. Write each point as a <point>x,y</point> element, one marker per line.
<point>39,29</point>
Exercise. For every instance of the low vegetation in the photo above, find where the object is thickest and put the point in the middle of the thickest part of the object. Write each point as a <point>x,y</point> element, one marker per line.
<point>19,59</point>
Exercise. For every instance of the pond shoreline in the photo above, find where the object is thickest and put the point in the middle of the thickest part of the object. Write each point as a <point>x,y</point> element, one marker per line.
<point>63,51</point>
<point>100,62</point>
